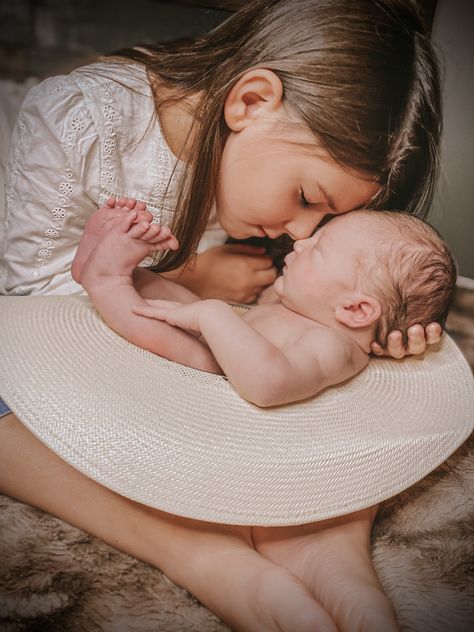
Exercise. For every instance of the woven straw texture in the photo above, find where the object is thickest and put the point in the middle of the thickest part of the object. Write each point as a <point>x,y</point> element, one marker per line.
<point>183,441</point>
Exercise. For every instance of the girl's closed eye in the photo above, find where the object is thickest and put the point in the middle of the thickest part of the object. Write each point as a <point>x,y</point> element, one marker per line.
<point>303,201</point>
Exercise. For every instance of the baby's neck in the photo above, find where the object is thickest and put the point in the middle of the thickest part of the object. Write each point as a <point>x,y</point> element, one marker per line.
<point>362,337</point>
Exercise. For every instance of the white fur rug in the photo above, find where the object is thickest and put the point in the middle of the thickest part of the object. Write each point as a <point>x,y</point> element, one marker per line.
<point>55,578</point>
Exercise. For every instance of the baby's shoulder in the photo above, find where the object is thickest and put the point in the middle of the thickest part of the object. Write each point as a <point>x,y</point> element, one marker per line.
<point>336,351</point>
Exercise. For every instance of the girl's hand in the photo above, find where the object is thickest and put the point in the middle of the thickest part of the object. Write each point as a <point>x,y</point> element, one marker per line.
<point>233,272</point>
<point>267,295</point>
<point>418,338</point>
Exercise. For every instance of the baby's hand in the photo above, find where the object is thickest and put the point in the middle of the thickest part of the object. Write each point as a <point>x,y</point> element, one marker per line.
<point>183,315</point>
<point>418,338</point>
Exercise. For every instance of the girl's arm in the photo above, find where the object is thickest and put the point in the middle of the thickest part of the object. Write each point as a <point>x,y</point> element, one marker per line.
<point>232,272</point>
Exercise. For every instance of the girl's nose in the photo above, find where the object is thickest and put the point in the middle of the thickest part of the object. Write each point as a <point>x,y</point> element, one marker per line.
<point>302,226</point>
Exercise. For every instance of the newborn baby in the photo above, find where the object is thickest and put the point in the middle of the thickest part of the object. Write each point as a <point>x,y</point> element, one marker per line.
<point>357,278</point>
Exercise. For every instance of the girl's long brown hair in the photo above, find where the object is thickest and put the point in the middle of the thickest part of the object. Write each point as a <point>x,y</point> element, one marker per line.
<point>361,74</point>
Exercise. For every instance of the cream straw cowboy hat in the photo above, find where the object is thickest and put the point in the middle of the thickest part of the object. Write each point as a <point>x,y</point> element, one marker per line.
<point>183,441</point>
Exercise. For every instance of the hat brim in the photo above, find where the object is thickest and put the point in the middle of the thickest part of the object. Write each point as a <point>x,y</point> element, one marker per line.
<point>183,441</point>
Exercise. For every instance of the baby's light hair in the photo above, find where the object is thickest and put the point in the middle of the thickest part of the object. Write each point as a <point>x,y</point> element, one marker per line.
<point>413,273</point>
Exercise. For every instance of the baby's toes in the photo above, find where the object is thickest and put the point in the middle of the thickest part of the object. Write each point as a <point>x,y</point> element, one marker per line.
<point>130,203</point>
<point>143,215</point>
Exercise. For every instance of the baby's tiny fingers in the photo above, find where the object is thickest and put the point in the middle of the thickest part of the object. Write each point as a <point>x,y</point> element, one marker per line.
<point>149,312</point>
<point>171,243</point>
<point>112,202</point>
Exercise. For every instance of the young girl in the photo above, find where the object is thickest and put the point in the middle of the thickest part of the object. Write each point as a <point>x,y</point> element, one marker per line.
<point>288,112</point>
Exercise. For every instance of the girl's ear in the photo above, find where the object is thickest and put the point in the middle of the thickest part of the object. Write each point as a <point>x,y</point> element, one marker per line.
<point>358,311</point>
<point>258,93</point>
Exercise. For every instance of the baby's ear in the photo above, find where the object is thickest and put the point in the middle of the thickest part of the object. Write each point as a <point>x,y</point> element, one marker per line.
<point>258,93</point>
<point>358,311</point>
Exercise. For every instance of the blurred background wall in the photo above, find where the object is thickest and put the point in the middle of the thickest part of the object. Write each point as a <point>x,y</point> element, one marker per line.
<point>453,209</point>
<point>43,37</point>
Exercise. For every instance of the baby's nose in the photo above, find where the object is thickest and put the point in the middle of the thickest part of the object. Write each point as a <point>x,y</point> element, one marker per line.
<point>300,244</point>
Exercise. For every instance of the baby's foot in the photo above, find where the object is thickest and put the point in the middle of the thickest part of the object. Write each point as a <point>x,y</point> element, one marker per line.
<point>332,558</point>
<point>97,225</point>
<point>125,242</point>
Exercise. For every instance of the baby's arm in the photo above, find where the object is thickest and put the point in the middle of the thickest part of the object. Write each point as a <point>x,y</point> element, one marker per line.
<point>107,277</point>
<point>259,371</point>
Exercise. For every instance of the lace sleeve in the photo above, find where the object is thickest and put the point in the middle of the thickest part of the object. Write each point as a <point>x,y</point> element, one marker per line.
<point>52,187</point>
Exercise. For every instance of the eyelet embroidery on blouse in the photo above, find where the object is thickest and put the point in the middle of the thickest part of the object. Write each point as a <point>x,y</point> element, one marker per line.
<point>65,191</point>
<point>15,157</point>
<point>109,144</point>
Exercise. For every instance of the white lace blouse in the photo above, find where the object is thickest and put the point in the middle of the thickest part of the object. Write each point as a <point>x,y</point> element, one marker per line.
<point>78,140</point>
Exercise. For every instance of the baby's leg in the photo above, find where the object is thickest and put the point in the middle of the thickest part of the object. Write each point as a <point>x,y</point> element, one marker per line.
<point>97,225</point>
<point>332,558</point>
<point>123,244</point>
<point>216,563</point>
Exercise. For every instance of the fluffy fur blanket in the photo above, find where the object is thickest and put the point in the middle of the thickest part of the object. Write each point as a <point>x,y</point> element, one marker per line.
<point>54,577</point>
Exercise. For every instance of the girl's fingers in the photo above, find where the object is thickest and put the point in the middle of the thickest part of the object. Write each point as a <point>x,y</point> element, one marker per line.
<point>149,312</point>
<point>433,333</point>
<point>395,345</point>
<point>376,349</point>
<point>266,277</point>
<point>161,302</point>
<point>138,229</point>
<point>416,340</point>
<point>130,204</point>
<point>112,202</point>
<point>245,249</point>
<point>262,263</point>
<point>143,214</point>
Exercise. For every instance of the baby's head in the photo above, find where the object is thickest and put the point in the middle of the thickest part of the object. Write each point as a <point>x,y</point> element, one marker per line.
<point>411,272</point>
<point>370,271</point>
<point>402,263</point>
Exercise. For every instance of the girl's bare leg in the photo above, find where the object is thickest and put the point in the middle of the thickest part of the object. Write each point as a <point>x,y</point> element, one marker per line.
<point>216,563</point>
<point>332,558</point>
